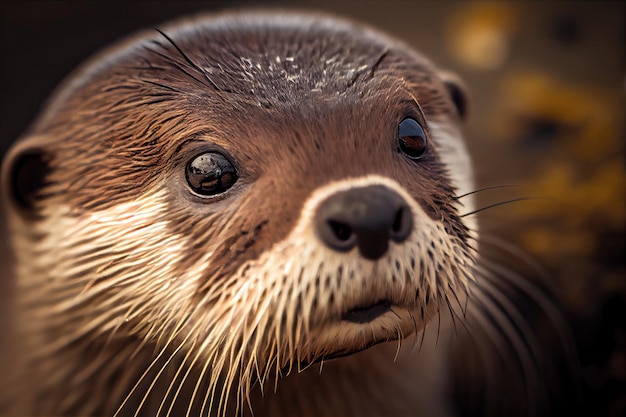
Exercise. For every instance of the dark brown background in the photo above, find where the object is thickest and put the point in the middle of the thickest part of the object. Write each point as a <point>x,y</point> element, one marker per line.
<point>547,84</point>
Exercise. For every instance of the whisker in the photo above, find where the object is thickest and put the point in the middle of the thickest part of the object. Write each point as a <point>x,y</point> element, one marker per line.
<point>545,304</point>
<point>183,365</point>
<point>189,61</point>
<point>493,187</point>
<point>503,316</point>
<point>494,242</point>
<point>520,325</point>
<point>415,332</point>
<point>210,392</point>
<point>531,289</point>
<point>501,203</point>
<point>421,343</point>
<point>156,378</point>
<point>399,337</point>
<point>454,315</point>
<point>395,313</point>
<point>492,342</point>
<point>150,367</point>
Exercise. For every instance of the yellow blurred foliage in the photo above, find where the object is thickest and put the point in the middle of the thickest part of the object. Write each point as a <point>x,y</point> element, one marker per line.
<point>575,167</point>
<point>479,33</point>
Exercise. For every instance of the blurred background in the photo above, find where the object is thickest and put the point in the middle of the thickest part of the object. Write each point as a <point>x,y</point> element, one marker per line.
<point>547,86</point>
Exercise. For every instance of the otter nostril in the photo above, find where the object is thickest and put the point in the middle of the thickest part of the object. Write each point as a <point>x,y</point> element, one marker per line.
<point>397,221</point>
<point>342,231</point>
<point>402,224</point>
<point>335,233</point>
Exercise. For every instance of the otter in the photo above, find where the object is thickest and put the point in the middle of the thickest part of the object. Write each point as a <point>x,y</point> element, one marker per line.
<point>246,213</point>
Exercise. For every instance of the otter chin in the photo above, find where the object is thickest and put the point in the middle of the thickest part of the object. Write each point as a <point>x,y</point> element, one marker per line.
<point>204,212</point>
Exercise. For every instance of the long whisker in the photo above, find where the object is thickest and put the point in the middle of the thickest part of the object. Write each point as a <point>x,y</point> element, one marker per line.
<point>151,366</point>
<point>493,187</point>
<point>539,296</point>
<point>183,365</point>
<point>511,334</point>
<point>210,392</point>
<point>189,61</point>
<point>156,378</point>
<point>501,203</point>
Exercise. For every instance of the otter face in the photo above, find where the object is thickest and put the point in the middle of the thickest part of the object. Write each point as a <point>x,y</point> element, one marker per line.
<point>260,192</point>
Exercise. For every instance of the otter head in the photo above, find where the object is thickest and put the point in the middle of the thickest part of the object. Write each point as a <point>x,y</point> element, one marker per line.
<point>260,192</point>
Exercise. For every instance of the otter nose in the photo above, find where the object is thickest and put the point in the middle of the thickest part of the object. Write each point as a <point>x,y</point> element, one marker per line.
<point>366,217</point>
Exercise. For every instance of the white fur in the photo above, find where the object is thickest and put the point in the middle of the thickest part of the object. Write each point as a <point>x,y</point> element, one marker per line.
<point>453,153</point>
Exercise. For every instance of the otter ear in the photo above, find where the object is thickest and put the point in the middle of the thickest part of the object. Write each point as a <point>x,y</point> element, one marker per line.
<point>24,173</point>
<point>457,91</point>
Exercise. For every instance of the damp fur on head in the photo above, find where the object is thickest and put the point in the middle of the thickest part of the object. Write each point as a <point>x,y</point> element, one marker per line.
<point>119,263</point>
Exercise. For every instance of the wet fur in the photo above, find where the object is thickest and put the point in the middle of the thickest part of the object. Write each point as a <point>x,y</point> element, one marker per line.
<point>137,297</point>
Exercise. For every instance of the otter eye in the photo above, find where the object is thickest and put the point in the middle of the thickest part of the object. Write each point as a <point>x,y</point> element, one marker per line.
<point>412,139</point>
<point>210,173</point>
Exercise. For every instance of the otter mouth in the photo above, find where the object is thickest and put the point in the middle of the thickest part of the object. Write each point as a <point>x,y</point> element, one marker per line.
<point>359,315</point>
<point>367,314</point>
<point>343,353</point>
